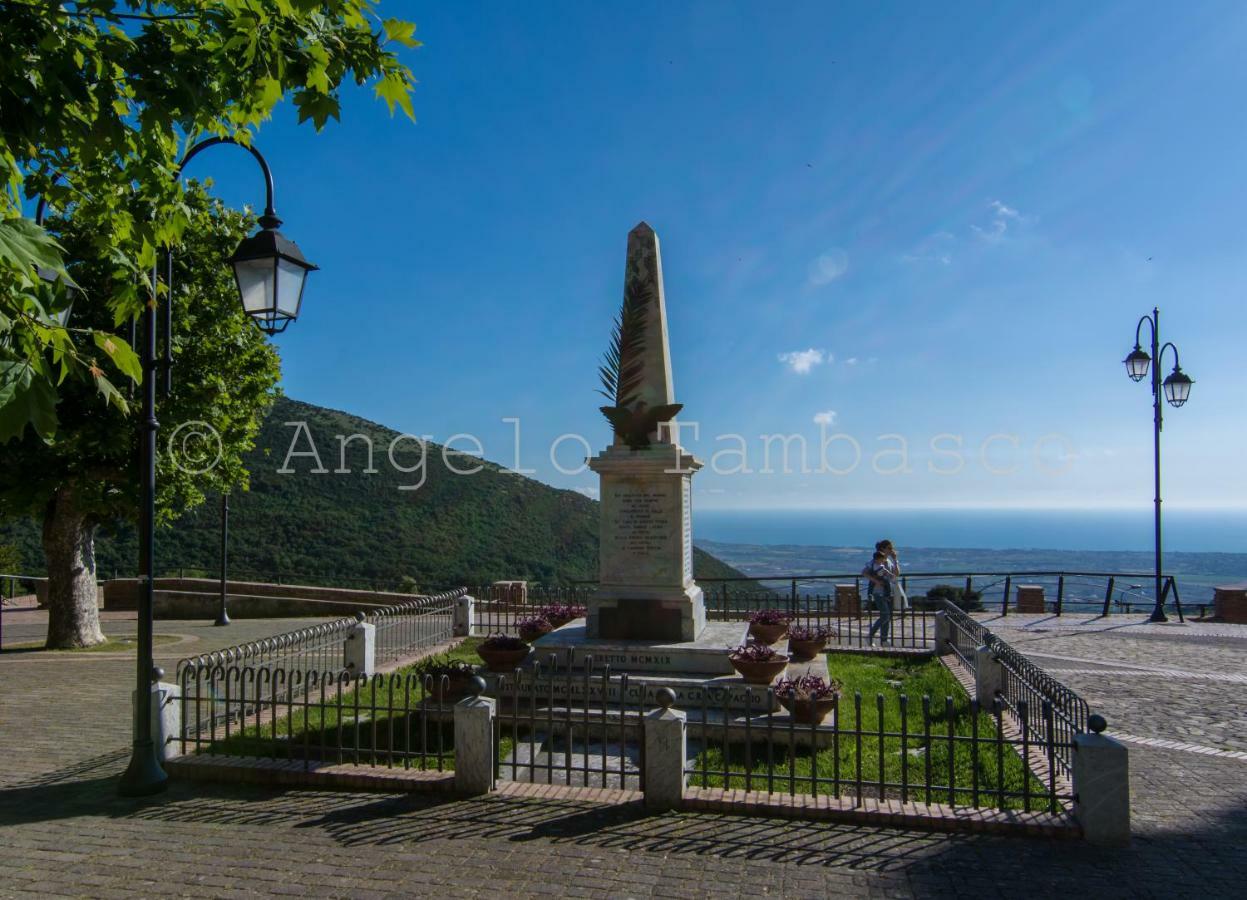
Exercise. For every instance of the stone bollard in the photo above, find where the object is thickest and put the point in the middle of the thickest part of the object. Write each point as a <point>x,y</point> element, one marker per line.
<point>943,634</point>
<point>464,616</point>
<point>1102,786</point>
<point>666,748</point>
<point>1030,599</point>
<point>989,677</point>
<point>474,742</point>
<point>848,601</point>
<point>359,650</point>
<point>166,714</point>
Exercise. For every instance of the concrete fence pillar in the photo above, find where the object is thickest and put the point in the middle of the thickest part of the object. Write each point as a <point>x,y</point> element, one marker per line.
<point>359,650</point>
<point>166,715</point>
<point>848,601</point>
<point>943,634</point>
<point>464,616</point>
<point>666,748</point>
<point>989,676</point>
<point>1102,786</point>
<point>1030,599</point>
<point>474,743</point>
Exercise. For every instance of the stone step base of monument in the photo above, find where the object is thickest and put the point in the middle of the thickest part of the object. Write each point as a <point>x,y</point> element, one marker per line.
<point>692,690</point>
<point>706,655</point>
<point>705,726</point>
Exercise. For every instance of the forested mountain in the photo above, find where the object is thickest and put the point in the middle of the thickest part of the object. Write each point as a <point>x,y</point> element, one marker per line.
<point>358,529</point>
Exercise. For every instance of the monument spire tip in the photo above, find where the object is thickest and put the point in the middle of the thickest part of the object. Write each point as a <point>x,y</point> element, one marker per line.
<point>642,227</point>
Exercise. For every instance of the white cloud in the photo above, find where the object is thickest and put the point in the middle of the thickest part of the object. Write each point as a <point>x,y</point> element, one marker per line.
<point>826,417</point>
<point>592,493</point>
<point>851,361</point>
<point>829,266</point>
<point>994,232</point>
<point>802,361</point>
<point>1004,212</point>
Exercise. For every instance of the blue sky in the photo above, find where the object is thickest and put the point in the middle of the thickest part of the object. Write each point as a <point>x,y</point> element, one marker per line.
<point>960,209</point>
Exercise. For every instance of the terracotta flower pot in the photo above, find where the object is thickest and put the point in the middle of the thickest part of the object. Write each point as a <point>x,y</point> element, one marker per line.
<point>531,634</point>
<point>502,660</point>
<point>807,712</point>
<point>768,634</point>
<point>759,672</point>
<point>453,687</point>
<point>804,650</point>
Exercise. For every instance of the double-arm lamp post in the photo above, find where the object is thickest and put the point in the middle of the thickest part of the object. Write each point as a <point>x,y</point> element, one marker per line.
<point>270,273</point>
<point>1176,389</point>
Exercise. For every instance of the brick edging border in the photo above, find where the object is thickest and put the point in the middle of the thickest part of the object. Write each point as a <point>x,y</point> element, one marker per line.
<point>888,813</point>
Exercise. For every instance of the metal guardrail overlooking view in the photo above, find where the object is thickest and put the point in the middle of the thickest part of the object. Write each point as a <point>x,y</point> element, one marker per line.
<point>1087,592</point>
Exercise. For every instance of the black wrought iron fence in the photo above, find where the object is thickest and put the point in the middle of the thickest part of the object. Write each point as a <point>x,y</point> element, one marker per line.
<point>498,609</point>
<point>1033,696</point>
<point>400,719</point>
<point>413,625</point>
<point>934,750</point>
<point>558,725</point>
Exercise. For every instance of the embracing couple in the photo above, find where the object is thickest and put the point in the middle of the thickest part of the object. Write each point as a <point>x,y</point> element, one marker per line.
<point>884,590</point>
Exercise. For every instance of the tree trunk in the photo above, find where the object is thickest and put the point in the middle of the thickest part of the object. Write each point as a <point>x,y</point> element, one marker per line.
<point>69,548</point>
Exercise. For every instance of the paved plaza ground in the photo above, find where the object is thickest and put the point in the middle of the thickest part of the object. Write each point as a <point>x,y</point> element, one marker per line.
<point>1174,693</point>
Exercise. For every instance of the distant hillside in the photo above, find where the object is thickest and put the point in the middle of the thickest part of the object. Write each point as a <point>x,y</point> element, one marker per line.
<point>360,529</point>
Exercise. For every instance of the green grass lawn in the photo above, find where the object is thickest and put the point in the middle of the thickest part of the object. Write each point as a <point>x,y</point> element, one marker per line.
<point>376,724</point>
<point>920,757</point>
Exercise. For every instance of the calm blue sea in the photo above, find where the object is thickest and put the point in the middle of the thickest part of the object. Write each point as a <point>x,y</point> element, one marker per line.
<point>1185,530</point>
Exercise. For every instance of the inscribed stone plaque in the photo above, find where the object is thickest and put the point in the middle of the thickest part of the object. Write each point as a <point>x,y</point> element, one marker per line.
<point>642,528</point>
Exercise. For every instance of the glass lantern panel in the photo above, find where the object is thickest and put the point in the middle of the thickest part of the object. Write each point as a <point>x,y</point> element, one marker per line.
<point>290,277</point>
<point>256,283</point>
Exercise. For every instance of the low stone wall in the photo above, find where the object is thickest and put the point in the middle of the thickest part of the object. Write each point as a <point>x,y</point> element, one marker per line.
<point>198,598</point>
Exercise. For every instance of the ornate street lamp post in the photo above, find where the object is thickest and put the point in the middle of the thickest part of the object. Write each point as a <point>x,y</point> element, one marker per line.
<point>270,273</point>
<point>1176,389</point>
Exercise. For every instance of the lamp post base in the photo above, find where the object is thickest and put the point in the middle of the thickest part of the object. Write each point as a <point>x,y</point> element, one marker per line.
<point>1158,616</point>
<point>144,776</point>
<point>222,619</point>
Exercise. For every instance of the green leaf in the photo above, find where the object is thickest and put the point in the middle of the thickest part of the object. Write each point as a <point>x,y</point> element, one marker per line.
<point>123,357</point>
<point>26,398</point>
<point>27,245</point>
<point>401,32</point>
<point>316,106</point>
<point>110,392</point>
<point>393,89</point>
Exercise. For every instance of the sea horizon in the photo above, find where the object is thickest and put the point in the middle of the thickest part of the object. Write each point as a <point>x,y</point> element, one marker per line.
<point>1118,530</point>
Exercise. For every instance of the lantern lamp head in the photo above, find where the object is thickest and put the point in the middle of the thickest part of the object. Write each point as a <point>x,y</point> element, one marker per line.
<point>1137,363</point>
<point>271,272</point>
<point>1177,387</point>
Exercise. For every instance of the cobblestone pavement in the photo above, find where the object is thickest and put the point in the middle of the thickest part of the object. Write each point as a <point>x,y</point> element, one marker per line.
<point>63,830</point>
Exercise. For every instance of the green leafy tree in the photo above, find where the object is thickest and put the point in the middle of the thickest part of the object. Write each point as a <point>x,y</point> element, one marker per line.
<point>225,375</point>
<point>98,102</point>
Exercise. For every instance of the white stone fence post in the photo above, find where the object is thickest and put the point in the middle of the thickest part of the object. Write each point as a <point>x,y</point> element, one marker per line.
<point>474,742</point>
<point>1101,786</point>
<point>666,743</point>
<point>989,676</point>
<point>166,713</point>
<point>464,616</point>
<point>359,650</point>
<point>943,634</point>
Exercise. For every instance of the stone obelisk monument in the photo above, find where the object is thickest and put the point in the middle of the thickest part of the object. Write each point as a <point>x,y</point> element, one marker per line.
<point>645,584</point>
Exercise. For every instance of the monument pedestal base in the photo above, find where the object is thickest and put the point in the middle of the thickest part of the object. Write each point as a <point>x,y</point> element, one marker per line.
<point>707,655</point>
